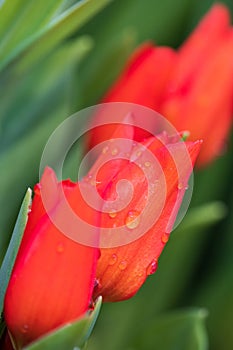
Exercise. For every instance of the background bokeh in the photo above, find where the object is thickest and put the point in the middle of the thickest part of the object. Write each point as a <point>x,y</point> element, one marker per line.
<point>59,56</point>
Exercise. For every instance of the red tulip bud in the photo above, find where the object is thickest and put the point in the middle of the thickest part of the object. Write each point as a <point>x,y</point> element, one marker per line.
<point>53,276</point>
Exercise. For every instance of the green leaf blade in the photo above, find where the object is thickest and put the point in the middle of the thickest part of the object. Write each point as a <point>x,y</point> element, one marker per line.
<point>43,41</point>
<point>181,330</point>
<point>21,22</point>
<point>71,336</point>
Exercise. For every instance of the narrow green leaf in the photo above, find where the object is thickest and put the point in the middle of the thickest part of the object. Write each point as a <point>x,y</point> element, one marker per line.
<point>12,250</point>
<point>36,89</point>
<point>71,336</point>
<point>21,22</point>
<point>204,215</point>
<point>180,257</point>
<point>41,43</point>
<point>183,330</point>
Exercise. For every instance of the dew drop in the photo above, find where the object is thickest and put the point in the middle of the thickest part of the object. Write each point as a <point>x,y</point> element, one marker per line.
<point>94,183</point>
<point>164,238</point>
<point>114,151</point>
<point>139,153</point>
<point>133,219</point>
<point>152,267</point>
<point>112,214</point>
<point>105,150</point>
<point>123,264</point>
<point>113,259</point>
<point>147,164</point>
<point>60,248</point>
<point>140,274</point>
<point>25,328</point>
<point>180,186</point>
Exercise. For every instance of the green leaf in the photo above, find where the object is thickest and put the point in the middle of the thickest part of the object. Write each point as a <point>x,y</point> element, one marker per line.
<point>38,88</point>
<point>203,216</point>
<point>216,288</point>
<point>61,27</point>
<point>12,250</point>
<point>180,257</point>
<point>20,23</point>
<point>71,336</point>
<point>212,182</point>
<point>180,330</point>
<point>216,294</point>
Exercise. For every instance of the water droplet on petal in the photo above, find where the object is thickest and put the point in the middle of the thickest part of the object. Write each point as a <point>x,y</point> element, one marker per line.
<point>180,186</point>
<point>140,274</point>
<point>112,214</point>
<point>105,150</point>
<point>113,259</point>
<point>25,328</point>
<point>152,267</point>
<point>147,164</point>
<point>114,151</point>
<point>123,264</point>
<point>165,237</point>
<point>60,248</point>
<point>132,220</point>
<point>139,153</point>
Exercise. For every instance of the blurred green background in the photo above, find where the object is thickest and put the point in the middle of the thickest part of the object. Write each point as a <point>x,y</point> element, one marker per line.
<point>59,56</point>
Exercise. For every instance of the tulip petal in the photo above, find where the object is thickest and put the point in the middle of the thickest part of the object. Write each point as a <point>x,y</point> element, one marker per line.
<point>122,270</point>
<point>199,47</point>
